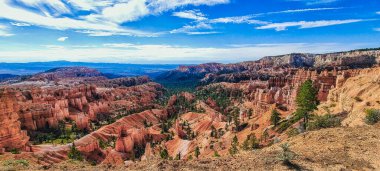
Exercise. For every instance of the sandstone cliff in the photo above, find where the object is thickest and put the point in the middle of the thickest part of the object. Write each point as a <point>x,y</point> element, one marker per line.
<point>355,93</point>
<point>11,135</point>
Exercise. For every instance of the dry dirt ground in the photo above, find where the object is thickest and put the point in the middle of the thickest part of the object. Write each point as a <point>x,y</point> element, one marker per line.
<point>329,149</point>
<point>342,148</point>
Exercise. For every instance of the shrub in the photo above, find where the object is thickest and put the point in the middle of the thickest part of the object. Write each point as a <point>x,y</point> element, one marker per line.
<point>15,151</point>
<point>275,118</point>
<point>164,154</point>
<point>74,153</point>
<point>372,116</point>
<point>358,99</point>
<point>15,163</point>
<point>178,156</point>
<point>250,143</point>
<point>234,146</point>
<point>286,155</point>
<point>325,121</point>
<point>292,132</point>
<point>216,154</point>
<point>197,152</point>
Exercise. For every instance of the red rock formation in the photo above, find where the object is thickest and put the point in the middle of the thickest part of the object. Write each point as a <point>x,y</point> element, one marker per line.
<point>11,135</point>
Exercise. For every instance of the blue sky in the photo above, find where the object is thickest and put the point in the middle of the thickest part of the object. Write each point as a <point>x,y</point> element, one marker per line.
<point>182,31</point>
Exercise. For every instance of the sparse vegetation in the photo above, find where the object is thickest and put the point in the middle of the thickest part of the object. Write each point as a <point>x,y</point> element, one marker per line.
<point>15,163</point>
<point>197,152</point>
<point>216,154</point>
<point>178,156</point>
<point>358,99</point>
<point>223,97</point>
<point>286,155</point>
<point>15,151</point>
<point>109,143</point>
<point>234,146</point>
<point>59,135</point>
<point>275,117</point>
<point>164,154</point>
<point>250,143</point>
<point>372,116</point>
<point>292,132</point>
<point>74,153</point>
<point>265,135</point>
<point>325,121</point>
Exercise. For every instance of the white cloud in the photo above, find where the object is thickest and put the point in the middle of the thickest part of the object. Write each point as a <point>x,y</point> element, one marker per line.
<point>88,5</point>
<point>57,6</point>
<point>249,19</point>
<point>190,14</point>
<point>378,12</point>
<point>202,32</point>
<point>188,29</point>
<point>238,20</point>
<point>105,18</point>
<point>17,14</point>
<point>307,24</point>
<point>377,29</point>
<point>122,12</point>
<point>316,2</point>
<point>62,39</point>
<point>118,45</point>
<point>4,31</point>
<point>302,10</point>
<point>20,24</point>
<point>159,6</point>
<point>132,53</point>
<point>246,19</point>
<point>132,10</point>
<point>54,46</point>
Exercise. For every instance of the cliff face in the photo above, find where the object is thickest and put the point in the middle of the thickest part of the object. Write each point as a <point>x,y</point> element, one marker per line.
<point>43,108</point>
<point>11,135</point>
<point>357,58</point>
<point>211,73</point>
<point>356,92</point>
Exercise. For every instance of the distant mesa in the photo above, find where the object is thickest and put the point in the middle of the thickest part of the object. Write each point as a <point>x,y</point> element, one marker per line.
<point>66,72</point>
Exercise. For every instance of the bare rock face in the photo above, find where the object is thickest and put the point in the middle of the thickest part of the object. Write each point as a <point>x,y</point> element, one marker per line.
<point>11,135</point>
<point>43,108</point>
<point>266,67</point>
<point>357,92</point>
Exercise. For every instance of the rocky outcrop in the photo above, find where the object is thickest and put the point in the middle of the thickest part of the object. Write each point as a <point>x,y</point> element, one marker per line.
<point>43,108</point>
<point>215,72</point>
<point>357,91</point>
<point>11,135</point>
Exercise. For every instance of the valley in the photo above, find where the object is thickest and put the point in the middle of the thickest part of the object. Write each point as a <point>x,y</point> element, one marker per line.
<point>198,117</point>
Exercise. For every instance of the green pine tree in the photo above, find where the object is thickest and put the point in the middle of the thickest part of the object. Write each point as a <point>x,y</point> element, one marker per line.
<point>306,101</point>
<point>197,152</point>
<point>164,154</point>
<point>234,146</point>
<point>275,117</point>
<point>74,153</point>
